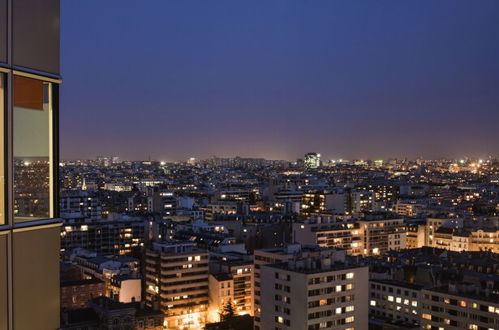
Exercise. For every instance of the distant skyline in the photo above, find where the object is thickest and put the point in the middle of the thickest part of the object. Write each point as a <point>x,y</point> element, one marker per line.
<point>276,79</point>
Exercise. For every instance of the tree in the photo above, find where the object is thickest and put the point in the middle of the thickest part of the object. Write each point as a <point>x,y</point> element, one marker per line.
<point>228,312</point>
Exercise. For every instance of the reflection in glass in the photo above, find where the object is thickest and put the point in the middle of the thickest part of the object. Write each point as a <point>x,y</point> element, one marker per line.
<point>32,125</point>
<point>2,144</point>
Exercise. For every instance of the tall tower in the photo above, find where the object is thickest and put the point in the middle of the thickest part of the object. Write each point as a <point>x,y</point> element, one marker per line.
<point>29,228</point>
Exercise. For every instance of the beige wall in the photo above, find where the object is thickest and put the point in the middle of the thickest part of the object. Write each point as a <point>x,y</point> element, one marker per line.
<point>36,279</point>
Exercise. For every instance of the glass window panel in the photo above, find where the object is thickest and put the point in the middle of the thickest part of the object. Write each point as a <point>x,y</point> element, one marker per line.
<point>32,130</point>
<point>2,146</point>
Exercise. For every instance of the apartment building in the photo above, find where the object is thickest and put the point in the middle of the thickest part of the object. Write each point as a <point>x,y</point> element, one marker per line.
<point>122,236</point>
<point>79,205</point>
<point>382,232</point>
<point>315,291</point>
<point>460,306</point>
<point>416,234</point>
<point>394,304</point>
<point>176,278</point>
<point>271,256</point>
<point>326,231</point>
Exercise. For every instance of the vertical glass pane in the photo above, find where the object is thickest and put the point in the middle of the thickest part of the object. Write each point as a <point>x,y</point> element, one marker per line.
<point>2,146</point>
<point>32,130</point>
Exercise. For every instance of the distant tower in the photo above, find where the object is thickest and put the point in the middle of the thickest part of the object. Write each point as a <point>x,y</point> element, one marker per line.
<point>312,160</point>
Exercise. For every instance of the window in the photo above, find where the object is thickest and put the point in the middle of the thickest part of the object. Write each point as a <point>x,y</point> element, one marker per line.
<point>2,143</point>
<point>33,149</point>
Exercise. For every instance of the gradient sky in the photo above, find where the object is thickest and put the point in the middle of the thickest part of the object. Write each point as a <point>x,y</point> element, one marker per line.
<point>275,79</point>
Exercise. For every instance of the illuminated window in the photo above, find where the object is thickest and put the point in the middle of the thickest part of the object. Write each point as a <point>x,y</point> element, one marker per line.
<point>373,303</point>
<point>349,275</point>
<point>338,310</point>
<point>426,316</point>
<point>390,298</point>
<point>349,319</point>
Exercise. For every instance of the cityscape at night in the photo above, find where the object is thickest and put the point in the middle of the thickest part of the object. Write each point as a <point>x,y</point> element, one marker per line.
<point>249,165</point>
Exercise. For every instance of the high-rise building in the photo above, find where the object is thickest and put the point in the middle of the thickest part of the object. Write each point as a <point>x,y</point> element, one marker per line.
<point>177,279</point>
<point>312,160</point>
<point>29,106</point>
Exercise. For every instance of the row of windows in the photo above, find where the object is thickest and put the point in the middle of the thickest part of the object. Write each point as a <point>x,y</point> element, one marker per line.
<point>333,323</point>
<point>463,303</point>
<point>285,299</point>
<point>330,301</point>
<point>398,300</point>
<point>330,312</point>
<point>279,286</point>
<point>331,278</point>
<point>281,309</point>
<point>328,290</point>
<point>390,289</point>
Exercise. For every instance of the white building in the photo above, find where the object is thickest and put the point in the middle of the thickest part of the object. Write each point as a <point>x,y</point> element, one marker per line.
<point>318,290</point>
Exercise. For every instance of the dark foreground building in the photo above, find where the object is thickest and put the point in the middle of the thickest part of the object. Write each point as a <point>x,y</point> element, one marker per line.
<point>29,228</point>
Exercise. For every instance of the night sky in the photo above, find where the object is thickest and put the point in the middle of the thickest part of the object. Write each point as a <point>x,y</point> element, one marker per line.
<point>276,79</point>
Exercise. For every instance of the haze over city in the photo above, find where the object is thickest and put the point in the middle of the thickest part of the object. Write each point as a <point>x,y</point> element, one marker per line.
<point>170,80</point>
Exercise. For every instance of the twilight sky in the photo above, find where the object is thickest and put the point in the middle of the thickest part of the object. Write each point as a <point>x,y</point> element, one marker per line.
<point>275,79</point>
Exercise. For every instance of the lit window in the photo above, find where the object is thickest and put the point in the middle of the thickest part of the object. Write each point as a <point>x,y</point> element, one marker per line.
<point>349,275</point>
<point>338,310</point>
<point>373,303</point>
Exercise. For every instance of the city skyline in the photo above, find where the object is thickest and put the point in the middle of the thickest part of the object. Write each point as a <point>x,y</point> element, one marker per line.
<point>352,80</point>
